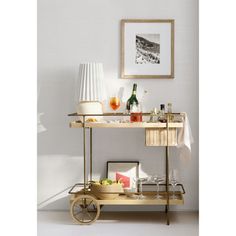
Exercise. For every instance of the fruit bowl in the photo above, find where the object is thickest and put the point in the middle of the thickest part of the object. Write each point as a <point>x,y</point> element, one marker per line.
<point>106,191</point>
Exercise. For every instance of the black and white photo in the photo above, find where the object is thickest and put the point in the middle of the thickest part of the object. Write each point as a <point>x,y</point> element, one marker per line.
<point>147,48</point>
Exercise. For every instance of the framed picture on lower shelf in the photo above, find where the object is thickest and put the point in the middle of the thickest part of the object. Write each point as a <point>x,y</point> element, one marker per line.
<point>125,171</point>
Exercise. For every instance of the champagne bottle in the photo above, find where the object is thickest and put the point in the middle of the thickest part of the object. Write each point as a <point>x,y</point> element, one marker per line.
<point>133,99</point>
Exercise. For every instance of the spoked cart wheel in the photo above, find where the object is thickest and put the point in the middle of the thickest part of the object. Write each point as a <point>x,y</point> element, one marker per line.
<point>85,209</point>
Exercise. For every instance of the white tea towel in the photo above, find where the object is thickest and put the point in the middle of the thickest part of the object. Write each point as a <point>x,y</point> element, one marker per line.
<point>185,139</point>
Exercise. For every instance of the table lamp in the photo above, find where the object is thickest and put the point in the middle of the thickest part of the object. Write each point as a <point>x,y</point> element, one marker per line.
<point>91,91</point>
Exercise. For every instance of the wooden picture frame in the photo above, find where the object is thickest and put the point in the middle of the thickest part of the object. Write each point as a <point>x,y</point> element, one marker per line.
<point>128,170</point>
<point>147,49</point>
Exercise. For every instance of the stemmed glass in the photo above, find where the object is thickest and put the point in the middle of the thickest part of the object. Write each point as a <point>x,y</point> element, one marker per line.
<point>114,101</point>
<point>141,181</point>
<point>158,179</point>
<point>174,180</point>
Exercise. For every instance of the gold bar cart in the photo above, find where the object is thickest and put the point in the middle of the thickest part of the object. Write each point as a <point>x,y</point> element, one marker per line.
<point>85,206</point>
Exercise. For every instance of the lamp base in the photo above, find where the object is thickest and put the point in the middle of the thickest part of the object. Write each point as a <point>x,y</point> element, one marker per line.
<point>90,107</point>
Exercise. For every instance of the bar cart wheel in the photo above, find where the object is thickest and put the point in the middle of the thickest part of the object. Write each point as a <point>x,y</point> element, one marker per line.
<point>85,209</point>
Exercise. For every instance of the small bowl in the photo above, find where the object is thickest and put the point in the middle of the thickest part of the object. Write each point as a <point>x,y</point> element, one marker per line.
<point>105,192</point>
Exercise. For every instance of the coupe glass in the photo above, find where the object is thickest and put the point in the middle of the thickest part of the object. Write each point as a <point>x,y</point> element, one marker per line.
<point>141,181</point>
<point>158,179</point>
<point>174,180</point>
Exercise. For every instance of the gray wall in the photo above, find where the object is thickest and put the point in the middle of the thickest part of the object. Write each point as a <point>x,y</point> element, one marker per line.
<point>75,31</point>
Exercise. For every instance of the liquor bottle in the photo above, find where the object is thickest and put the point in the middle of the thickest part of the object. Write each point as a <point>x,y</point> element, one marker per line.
<point>162,116</point>
<point>153,115</point>
<point>133,99</point>
<point>170,114</point>
<point>169,107</point>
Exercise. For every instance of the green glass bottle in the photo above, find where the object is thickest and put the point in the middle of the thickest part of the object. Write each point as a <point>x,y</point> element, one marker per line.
<point>133,99</point>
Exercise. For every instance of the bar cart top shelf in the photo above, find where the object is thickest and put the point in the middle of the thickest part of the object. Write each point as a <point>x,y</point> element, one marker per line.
<point>116,114</point>
<point>75,124</point>
<point>121,124</point>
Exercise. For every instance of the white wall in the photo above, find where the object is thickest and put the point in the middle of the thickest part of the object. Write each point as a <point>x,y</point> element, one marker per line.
<point>75,31</point>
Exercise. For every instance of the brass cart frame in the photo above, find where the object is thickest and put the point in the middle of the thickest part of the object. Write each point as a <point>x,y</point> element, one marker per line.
<point>85,200</point>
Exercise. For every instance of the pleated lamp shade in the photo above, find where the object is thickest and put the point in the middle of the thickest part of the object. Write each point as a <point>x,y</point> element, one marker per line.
<point>91,79</point>
<point>92,90</point>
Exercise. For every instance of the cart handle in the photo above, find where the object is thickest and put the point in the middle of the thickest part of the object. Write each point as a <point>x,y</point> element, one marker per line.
<point>75,185</point>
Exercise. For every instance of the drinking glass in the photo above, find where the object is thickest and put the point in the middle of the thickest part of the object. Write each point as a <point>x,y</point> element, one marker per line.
<point>141,181</point>
<point>158,179</point>
<point>136,113</point>
<point>174,180</point>
<point>114,102</point>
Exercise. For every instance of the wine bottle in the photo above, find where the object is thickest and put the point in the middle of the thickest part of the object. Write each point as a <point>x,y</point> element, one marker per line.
<point>133,99</point>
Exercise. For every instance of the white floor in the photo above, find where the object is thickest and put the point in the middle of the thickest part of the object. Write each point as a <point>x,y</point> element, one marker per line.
<point>54,223</point>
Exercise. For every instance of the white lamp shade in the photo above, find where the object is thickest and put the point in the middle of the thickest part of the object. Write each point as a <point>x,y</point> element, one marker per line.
<point>91,82</point>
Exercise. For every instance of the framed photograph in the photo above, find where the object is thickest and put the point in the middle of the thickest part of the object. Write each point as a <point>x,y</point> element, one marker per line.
<point>147,49</point>
<point>125,171</point>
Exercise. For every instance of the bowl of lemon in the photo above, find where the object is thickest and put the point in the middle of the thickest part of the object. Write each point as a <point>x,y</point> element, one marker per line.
<point>106,189</point>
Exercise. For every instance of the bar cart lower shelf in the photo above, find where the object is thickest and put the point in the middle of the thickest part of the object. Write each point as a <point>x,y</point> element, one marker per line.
<point>85,206</point>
